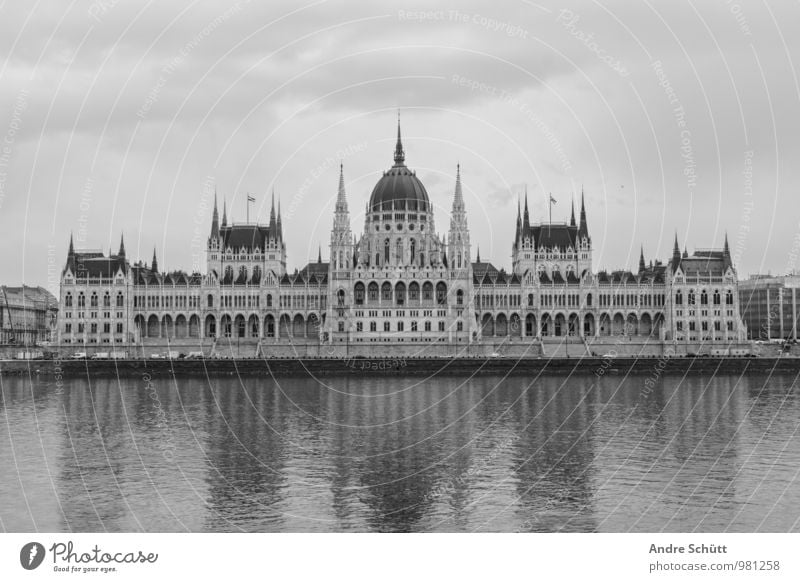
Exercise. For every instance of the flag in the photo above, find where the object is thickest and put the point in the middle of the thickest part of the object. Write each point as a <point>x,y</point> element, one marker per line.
<point>250,198</point>
<point>552,200</point>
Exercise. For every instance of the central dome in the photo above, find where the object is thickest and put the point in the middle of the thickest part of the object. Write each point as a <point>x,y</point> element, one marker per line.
<point>399,188</point>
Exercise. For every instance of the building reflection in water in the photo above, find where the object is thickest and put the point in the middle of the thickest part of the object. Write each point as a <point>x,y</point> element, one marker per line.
<point>386,453</point>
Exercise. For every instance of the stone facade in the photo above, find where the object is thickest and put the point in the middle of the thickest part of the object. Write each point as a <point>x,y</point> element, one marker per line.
<point>400,282</point>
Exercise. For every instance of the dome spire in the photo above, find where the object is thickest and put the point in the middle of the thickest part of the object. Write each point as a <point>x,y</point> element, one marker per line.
<point>399,154</point>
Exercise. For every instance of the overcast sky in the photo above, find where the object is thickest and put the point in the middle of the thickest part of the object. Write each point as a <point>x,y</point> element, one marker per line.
<point>672,116</point>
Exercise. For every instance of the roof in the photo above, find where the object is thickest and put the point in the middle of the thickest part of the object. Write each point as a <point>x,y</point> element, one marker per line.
<point>247,236</point>
<point>560,236</point>
<point>95,264</point>
<point>399,188</point>
<point>26,295</point>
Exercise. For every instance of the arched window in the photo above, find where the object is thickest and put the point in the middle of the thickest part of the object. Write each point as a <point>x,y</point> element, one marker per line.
<point>386,252</point>
<point>530,299</point>
<point>460,296</point>
<point>377,259</point>
<point>359,293</point>
<point>107,300</point>
<point>703,298</point>
<point>210,300</point>
<point>413,291</point>
<point>340,297</point>
<point>372,291</point>
<point>340,263</point>
<point>269,299</point>
<point>441,293</point>
<point>690,298</point>
<point>458,257</point>
<point>120,300</point>
<point>422,259</point>
<point>93,300</point>
<point>386,292</point>
<point>427,291</point>
<point>413,250</point>
<point>729,297</point>
<point>399,252</point>
<point>678,298</point>
<point>68,300</point>
<point>589,300</point>
<point>716,297</point>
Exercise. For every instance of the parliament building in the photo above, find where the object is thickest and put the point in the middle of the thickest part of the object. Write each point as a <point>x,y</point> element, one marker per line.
<point>400,284</point>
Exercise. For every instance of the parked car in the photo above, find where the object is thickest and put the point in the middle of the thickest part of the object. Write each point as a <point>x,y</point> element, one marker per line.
<point>78,356</point>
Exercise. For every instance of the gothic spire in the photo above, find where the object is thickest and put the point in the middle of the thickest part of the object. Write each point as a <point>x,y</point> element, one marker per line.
<point>642,265</point>
<point>71,250</point>
<point>224,213</point>
<point>572,217</point>
<point>341,197</point>
<point>479,254</point>
<point>154,266</point>
<point>273,227</point>
<point>526,220</point>
<point>280,226</point>
<point>399,154</point>
<point>319,256</point>
<point>215,217</point>
<point>583,229</point>
<point>121,252</point>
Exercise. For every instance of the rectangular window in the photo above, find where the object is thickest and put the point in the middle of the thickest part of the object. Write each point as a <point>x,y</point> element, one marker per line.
<point>460,326</point>
<point>359,326</point>
<point>386,326</point>
<point>427,326</point>
<point>119,328</point>
<point>400,326</point>
<point>441,326</point>
<point>413,326</point>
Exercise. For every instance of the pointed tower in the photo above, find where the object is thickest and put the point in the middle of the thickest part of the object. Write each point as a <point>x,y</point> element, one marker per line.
<point>726,253</point>
<point>215,218</point>
<point>572,216</point>
<point>399,154</point>
<point>121,253</point>
<point>526,222</point>
<point>224,213</point>
<point>273,223</point>
<point>341,237</point>
<point>459,247</point>
<point>642,265</point>
<point>523,252</point>
<point>685,253</point>
<point>154,266</point>
<point>71,251</point>
<point>280,225</point>
<point>583,229</point>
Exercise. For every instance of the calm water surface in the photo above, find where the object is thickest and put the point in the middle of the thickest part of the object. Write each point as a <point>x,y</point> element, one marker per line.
<point>400,454</point>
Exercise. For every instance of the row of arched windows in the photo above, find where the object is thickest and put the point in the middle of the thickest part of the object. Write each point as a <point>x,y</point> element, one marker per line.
<point>691,297</point>
<point>401,293</point>
<point>94,300</point>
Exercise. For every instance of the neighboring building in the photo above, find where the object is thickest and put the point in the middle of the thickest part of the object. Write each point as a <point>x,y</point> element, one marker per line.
<point>400,281</point>
<point>769,306</point>
<point>28,315</point>
<point>704,304</point>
